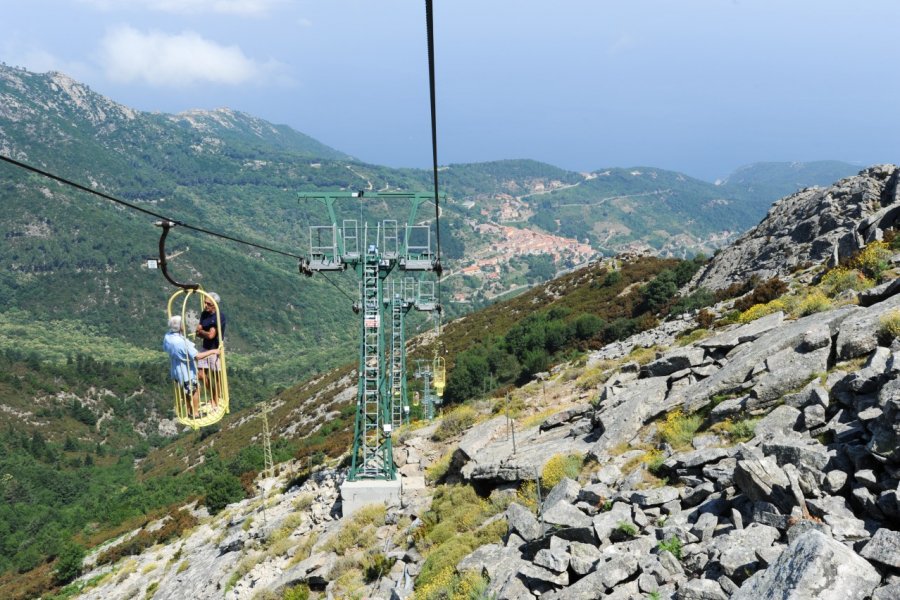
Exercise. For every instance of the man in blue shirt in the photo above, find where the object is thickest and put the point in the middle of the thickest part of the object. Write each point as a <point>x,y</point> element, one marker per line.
<point>182,362</point>
<point>208,331</point>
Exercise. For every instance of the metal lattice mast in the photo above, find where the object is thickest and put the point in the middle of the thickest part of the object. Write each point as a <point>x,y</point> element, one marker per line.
<point>334,249</point>
<point>396,355</point>
<point>402,299</point>
<point>372,456</point>
<point>269,464</point>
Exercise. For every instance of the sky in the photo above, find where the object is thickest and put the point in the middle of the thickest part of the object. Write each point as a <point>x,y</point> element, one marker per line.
<point>697,86</point>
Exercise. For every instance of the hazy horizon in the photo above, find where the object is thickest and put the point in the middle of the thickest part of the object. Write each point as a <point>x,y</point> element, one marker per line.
<point>701,87</point>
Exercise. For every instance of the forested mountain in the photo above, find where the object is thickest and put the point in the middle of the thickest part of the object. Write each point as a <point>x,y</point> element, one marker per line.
<point>75,260</point>
<point>755,184</point>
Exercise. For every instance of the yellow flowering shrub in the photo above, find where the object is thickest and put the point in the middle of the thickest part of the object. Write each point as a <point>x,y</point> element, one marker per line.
<point>889,326</point>
<point>813,302</point>
<point>760,310</point>
<point>841,279</point>
<point>873,260</point>
<point>558,467</point>
<point>452,529</point>
<point>678,429</point>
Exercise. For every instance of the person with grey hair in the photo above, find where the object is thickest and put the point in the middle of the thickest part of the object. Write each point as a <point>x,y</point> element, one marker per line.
<point>182,362</point>
<point>208,330</point>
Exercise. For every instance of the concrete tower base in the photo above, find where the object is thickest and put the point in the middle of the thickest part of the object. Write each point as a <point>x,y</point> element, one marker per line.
<point>356,494</point>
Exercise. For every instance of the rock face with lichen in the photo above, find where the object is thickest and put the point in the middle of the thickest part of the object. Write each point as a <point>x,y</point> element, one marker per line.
<point>813,226</point>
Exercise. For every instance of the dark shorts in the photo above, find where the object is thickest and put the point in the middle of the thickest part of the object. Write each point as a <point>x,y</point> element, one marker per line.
<point>189,386</point>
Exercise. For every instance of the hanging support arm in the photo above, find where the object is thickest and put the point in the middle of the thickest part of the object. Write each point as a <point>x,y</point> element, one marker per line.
<point>166,225</point>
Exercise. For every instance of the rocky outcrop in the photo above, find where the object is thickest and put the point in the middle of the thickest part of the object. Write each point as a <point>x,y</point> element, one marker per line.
<point>812,226</point>
<point>806,508</point>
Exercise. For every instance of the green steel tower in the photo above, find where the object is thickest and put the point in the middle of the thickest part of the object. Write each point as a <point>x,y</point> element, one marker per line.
<point>374,255</point>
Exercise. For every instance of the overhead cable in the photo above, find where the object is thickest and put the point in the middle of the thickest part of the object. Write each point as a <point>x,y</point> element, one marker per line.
<point>141,209</point>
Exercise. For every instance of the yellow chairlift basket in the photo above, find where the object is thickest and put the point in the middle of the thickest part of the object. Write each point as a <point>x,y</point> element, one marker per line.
<point>205,402</point>
<point>440,376</point>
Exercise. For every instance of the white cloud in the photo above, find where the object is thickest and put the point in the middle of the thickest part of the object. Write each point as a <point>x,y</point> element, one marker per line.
<point>161,59</point>
<point>38,60</point>
<point>244,8</point>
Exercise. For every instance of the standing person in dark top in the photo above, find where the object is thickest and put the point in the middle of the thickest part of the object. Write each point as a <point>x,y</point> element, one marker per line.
<point>183,358</point>
<point>208,331</point>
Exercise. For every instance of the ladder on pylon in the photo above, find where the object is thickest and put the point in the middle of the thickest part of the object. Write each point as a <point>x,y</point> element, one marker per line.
<point>373,461</point>
<point>382,360</point>
<point>397,354</point>
<point>269,464</point>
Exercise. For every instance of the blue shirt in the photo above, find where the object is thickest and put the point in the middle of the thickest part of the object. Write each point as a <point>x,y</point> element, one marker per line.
<point>181,353</point>
<point>208,320</point>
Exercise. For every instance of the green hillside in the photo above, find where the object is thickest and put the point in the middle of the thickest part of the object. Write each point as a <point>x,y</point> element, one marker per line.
<point>754,183</point>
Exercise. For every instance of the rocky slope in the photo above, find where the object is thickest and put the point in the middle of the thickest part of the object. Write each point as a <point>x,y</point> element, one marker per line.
<point>814,225</point>
<point>759,460</point>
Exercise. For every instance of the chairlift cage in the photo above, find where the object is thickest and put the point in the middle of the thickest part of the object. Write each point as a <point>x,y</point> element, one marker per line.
<point>199,403</point>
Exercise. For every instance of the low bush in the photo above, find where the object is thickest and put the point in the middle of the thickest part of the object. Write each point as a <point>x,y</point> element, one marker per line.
<point>678,429</point>
<point>842,279</point>
<point>673,545</point>
<point>455,422</point>
<point>558,467</point>
<point>874,260</point>
<point>889,327</point>
<point>377,566</point>
<point>763,293</point>
<point>736,431</point>
<point>450,530</point>
<point>436,471</point>
<point>174,526</point>
<point>625,530</point>
<point>814,302</point>
<point>693,336</point>
<point>761,310</point>
<point>358,531</point>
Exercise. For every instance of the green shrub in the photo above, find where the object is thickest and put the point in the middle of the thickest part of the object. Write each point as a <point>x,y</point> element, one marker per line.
<point>693,336</point>
<point>300,592</point>
<point>874,260</point>
<point>842,279</point>
<point>558,467</point>
<point>626,530</point>
<point>450,529</point>
<point>151,590</point>
<point>736,431</point>
<point>814,302</point>
<point>377,566</point>
<point>454,423</point>
<point>654,460</point>
<point>358,531</point>
<point>68,565</point>
<point>678,429</point>
<point>221,490</point>
<point>436,471</point>
<point>889,327</point>
<point>673,545</point>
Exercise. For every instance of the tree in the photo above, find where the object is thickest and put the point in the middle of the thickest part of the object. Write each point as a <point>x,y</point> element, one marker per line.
<point>221,490</point>
<point>660,291</point>
<point>68,566</point>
